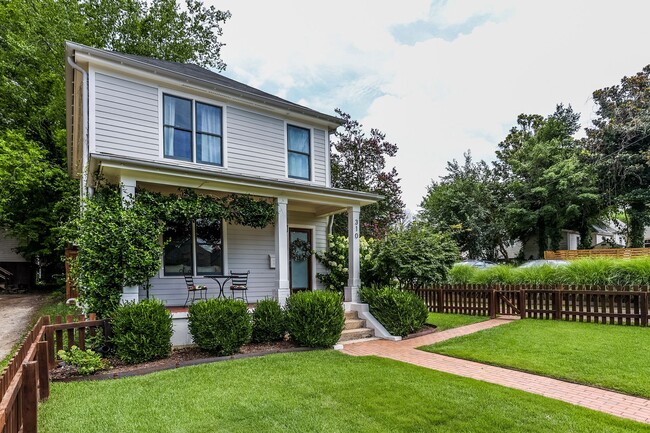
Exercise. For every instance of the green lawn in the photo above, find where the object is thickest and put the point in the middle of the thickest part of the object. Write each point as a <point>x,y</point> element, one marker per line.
<point>322,391</point>
<point>609,356</point>
<point>445,321</point>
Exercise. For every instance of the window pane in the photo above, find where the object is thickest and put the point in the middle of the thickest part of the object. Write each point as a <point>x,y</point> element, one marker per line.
<point>209,248</point>
<point>178,143</point>
<point>298,139</point>
<point>177,256</point>
<point>298,165</point>
<point>208,148</point>
<point>177,112</point>
<point>208,119</point>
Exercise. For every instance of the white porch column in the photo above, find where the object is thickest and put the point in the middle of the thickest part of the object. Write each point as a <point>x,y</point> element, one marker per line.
<point>354,267</point>
<point>127,186</point>
<point>282,250</point>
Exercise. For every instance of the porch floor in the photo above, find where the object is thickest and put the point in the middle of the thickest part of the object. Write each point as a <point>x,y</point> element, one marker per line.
<point>173,309</point>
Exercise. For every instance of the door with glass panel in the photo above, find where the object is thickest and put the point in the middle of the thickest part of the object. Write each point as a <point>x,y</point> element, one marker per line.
<point>300,259</point>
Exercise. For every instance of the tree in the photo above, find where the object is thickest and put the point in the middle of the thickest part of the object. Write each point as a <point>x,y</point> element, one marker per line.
<point>32,85</point>
<point>467,202</point>
<point>619,142</point>
<point>549,185</point>
<point>359,164</point>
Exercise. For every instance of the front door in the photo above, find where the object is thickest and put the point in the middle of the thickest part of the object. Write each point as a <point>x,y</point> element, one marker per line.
<point>300,259</point>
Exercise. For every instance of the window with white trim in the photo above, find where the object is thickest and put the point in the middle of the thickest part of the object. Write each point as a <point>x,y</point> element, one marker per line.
<point>194,248</point>
<point>298,152</point>
<point>192,130</point>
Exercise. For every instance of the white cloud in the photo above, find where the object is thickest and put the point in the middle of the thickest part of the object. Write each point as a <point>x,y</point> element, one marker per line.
<point>460,85</point>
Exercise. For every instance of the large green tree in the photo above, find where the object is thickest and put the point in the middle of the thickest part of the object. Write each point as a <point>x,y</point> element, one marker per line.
<point>619,142</point>
<point>468,203</point>
<point>550,187</point>
<point>359,163</point>
<point>32,85</point>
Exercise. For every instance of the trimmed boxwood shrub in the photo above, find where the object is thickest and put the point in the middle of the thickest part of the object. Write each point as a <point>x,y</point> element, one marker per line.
<point>220,326</point>
<point>401,312</point>
<point>142,331</point>
<point>268,321</point>
<point>315,319</point>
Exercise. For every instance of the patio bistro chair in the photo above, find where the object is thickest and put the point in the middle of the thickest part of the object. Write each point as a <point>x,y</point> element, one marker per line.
<point>193,288</point>
<point>239,282</point>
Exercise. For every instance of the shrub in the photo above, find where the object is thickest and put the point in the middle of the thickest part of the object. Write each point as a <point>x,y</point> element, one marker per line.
<point>142,331</point>
<point>220,326</point>
<point>268,321</point>
<point>401,312</point>
<point>335,260</point>
<point>86,361</point>
<point>315,319</point>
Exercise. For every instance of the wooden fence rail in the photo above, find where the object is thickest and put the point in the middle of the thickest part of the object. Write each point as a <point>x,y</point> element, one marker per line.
<point>26,379</point>
<point>597,304</point>
<point>619,253</point>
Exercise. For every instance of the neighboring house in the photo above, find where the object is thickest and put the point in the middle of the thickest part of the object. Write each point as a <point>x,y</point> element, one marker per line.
<point>160,125</point>
<point>15,271</point>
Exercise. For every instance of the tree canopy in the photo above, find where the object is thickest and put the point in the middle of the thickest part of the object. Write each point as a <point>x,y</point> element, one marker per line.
<point>359,163</point>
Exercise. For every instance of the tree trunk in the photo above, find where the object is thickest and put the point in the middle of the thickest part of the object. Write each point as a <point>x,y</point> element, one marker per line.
<point>638,217</point>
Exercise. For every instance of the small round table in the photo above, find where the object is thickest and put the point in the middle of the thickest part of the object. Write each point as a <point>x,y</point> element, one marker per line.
<point>221,281</point>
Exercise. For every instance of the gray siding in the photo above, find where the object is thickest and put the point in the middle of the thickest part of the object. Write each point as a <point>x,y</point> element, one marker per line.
<point>255,144</point>
<point>246,249</point>
<point>319,236</point>
<point>7,245</point>
<point>319,157</point>
<point>126,118</point>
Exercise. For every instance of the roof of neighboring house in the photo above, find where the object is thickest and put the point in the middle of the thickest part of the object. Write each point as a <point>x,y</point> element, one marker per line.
<point>203,76</point>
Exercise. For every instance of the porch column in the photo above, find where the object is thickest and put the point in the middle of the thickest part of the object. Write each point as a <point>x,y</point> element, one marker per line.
<point>354,269</point>
<point>282,250</point>
<point>127,187</point>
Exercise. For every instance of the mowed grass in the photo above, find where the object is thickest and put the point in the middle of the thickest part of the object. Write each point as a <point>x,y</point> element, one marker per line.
<point>608,356</point>
<point>444,321</point>
<point>321,391</point>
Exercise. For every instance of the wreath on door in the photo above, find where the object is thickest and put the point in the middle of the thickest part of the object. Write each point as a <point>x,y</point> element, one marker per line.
<point>300,250</point>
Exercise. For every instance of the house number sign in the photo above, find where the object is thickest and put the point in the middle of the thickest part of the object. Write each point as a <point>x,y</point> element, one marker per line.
<point>356,228</point>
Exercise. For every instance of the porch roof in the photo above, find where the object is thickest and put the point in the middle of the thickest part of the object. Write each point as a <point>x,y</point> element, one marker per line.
<point>176,173</point>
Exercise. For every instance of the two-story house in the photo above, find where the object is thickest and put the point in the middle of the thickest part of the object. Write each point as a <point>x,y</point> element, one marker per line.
<point>159,125</point>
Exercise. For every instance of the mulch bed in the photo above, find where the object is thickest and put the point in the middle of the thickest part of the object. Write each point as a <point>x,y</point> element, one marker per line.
<point>181,357</point>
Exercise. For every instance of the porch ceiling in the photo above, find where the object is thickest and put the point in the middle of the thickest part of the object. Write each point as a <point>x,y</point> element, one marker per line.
<point>305,197</point>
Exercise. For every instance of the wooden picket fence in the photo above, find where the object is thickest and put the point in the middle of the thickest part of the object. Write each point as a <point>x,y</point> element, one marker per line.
<point>599,304</point>
<point>617,253</point>
<point>25,381</point>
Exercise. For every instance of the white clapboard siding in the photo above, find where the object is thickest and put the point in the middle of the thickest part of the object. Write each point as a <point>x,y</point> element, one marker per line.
<point>319,157</point>
<point>302,219</point>
<point>255,144</point>
<point>126,118</point>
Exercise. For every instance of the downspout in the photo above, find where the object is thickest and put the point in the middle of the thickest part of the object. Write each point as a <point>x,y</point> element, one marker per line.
<point>85,149</point>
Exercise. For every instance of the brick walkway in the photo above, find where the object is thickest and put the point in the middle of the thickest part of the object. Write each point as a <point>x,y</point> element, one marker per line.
<point>614,403</point>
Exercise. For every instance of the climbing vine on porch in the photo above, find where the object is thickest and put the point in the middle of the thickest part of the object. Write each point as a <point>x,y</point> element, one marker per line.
<point>119,246</point>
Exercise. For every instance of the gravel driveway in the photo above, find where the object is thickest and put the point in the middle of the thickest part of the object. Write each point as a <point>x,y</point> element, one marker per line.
<point>16,312</point>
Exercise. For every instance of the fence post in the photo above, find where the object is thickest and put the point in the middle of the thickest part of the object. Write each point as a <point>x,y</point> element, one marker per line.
<point>441,298</point>
<point>49,336</point>
<point>30,399</point>
<point>557,315</point>
<point>522,303</point>
<point>492,303</point>
<point>644,308</point>
<point>42,356</point>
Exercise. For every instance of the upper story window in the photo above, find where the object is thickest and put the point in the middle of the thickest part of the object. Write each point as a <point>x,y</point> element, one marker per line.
<point>192,131</point>
<point>298,152</point>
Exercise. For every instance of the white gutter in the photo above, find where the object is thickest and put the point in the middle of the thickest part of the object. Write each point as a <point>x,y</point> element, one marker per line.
<point>85,158</point>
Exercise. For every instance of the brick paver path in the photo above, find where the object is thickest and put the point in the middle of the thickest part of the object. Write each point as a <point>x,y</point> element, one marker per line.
<point>614,403</point>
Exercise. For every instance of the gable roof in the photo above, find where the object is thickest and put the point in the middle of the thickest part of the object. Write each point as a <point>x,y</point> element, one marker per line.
<point>203,76</point>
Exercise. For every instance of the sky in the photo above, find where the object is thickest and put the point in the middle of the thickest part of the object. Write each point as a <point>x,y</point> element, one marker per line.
<point>438,77</point>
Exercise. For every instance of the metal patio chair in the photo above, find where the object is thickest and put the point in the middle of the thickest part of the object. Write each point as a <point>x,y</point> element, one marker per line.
<point>239,282</point>
<point>193,288</point>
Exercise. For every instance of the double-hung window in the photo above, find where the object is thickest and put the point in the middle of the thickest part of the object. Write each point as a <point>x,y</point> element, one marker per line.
<point>193,248</point>
<point>192,130</point>
<point>298,152</point>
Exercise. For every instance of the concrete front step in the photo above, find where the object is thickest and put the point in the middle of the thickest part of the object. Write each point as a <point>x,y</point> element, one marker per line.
<point>356,334</point>
<point>355,323</point>
<point>351,315</point>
